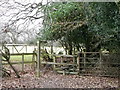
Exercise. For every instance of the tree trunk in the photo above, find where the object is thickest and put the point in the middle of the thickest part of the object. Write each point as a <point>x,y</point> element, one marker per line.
<point>70,49</point>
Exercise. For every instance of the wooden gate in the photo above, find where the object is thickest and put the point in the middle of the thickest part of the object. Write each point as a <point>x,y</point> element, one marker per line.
<point>100,64</point>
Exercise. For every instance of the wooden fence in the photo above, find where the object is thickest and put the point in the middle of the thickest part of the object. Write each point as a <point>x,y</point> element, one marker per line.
<point>22,62</point>
<point>15,49</point>
<point>98,63</point>
<point>86,63</point>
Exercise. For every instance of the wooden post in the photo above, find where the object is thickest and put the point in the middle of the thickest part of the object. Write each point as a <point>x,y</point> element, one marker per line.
<point>78,63</point>
<point>33,59</point>
<point>0,63</point>
<point>38,58</point>
<point>22,62</point>
<point>54,60</point>
<point>74,59</point>
<point>84,60</point>
<point>100,63</point>
<point>64,72</point>
<point>51,47</point>
<point>51,50</point>
<point>26,48</point>
<point>74,50</point>
<point>12,49</point>
<point>61,61</point>
<point>74,62</point>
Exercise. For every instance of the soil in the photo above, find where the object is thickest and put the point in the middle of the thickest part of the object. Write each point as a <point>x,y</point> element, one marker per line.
<point>51,79</point>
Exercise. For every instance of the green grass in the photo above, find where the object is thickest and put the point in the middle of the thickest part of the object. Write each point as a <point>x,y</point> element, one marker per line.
<point>19,58</point>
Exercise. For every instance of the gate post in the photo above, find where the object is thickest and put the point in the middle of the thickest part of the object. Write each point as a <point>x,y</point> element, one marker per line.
<point>38,58</point>
<point>84,60</point>
<point>78,63</point>
<point>0,64</point>
<point>22,62</point>
<point>100,63</point>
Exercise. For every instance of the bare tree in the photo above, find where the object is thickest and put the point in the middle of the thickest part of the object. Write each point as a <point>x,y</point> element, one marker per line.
<point>23,17</point>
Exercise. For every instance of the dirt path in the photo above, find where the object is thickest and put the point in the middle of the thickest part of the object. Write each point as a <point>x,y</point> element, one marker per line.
<point>54,80</point>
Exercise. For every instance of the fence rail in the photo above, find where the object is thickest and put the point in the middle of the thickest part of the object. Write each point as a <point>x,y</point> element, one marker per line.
<point>98,63</point>
<point>22,54</point>
<point>85,63</point>
<point>22,62</point>
<point>25,62</point>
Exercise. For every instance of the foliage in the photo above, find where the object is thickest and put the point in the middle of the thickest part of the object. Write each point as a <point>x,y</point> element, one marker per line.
<point>90,25</point>
<point>103,19</point>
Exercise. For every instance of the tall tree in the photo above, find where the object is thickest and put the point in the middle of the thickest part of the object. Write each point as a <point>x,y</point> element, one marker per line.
<point>103,19</point>
<point>94,25</point>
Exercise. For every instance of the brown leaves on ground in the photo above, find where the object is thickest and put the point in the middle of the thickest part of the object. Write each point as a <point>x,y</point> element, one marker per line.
<point>54,80</point>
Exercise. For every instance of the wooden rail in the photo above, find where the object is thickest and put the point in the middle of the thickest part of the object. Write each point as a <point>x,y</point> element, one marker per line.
<point>78,61</point>
<point>25,62</point>
<point>53,63</point>
<point>22,54</point>
<point>22,62</point>
<point>14,47</point>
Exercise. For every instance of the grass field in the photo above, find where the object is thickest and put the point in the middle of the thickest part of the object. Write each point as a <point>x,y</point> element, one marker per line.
<point>19,58</point>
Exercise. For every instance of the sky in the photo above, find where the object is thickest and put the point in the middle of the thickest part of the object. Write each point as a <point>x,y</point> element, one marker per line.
<point>8,9</point>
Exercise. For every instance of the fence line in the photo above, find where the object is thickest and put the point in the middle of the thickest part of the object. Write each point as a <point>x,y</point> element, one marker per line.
<point>98,64</point>
<point>22,62</point>
<point>13,46</point>
<point>85,63</point>
<point>89,63</point>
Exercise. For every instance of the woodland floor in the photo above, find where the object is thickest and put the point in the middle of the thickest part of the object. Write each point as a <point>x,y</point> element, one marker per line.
<point>51,79</point>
